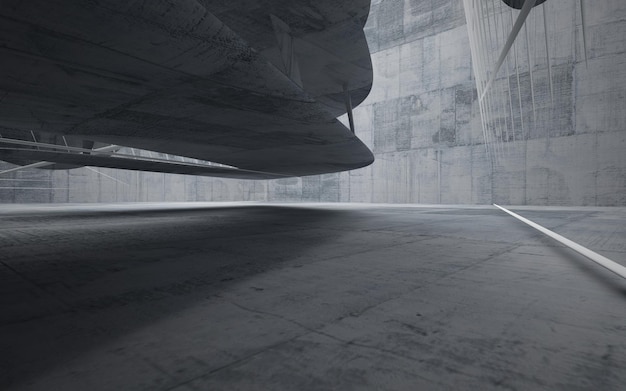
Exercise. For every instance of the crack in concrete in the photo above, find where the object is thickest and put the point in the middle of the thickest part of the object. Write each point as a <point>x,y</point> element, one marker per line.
<point>230,364</point>
<point>66,307</point>
<point>317,331</point>
<point>309,330</point>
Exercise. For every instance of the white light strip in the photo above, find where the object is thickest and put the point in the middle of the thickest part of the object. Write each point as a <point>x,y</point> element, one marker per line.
<point>597,258</point>
<point>33,165</point>
<point>519,88</point>
<point>60,149</point>
<point>530,72</point>
<point>106,176</point>
<point>107,151</point>
<point>56,146</point>
<point>471,18</point>
<point>528,5</point>
<point>45,164</point>
<point>582,25</point>
<point>545,29</point>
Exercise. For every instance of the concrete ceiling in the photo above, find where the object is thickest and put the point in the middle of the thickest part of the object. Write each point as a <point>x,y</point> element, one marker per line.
<point>202,79</point>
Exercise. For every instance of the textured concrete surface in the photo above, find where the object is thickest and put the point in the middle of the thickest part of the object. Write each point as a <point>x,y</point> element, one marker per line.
<point>422,121</point>
<point>422,117</point>
<point>256,85</point>
<point>305,297</point>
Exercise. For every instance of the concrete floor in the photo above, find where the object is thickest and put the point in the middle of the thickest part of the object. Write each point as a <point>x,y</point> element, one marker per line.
<point>308,297</point>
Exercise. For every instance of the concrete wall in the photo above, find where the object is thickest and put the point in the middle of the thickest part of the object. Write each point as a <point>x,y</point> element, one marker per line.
<point>422,121</point>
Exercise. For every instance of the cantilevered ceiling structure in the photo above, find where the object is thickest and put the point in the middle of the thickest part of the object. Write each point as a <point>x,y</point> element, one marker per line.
<point>255,85</point>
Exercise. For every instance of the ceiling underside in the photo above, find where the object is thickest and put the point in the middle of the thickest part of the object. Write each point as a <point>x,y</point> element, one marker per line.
<point>202,79</point>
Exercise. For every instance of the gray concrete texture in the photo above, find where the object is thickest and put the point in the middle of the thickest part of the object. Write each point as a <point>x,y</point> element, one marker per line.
<point>308,297</point>
<point>422,121</point>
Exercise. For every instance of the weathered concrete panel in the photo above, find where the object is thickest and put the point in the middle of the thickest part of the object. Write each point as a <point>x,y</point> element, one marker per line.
<point>60,179</point>
<point>225,190</point>
<point>562,171</point>
<point>153,186</point>
<point>191,186</point>
<point>390,31</point>
<point>454,57</point>
<point>288,189</point>
<point>84,186</point>
<point>107,183</point>
<point>7,192</point>
<point>427,18</point>
<point>426,161</point>
<point>344,186</point>
<point>204,189</point>
<point>127,188</point>
<point>329,187</point>
<point>425,120</point>
<point>423,108</point>
<point>247,190</point>
<point>446,133</point>
<point>418,19</point>
<point>174,188</point>
<point>509,179</point>
<point>431,68</point>
<point>363,117</point>
<point>482,175</point>
<point>604,12</point>
<point>404,132</point>
<point>386,119</point>
<point>601,94</point>
<point>611,170</point>
<point>396,171</point>
<point>386,69</point>
<point>371,27</point>
<point>456,175</point>
<point>467,129</point>
<point>361,184</point>
<point>411,64</point>
<point>311,188</point>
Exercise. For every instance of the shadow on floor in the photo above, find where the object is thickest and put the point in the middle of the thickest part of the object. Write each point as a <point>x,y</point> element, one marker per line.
<point>75,281</point>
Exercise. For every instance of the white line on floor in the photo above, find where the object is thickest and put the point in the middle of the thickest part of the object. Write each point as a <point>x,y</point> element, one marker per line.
<point>592,255</point>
